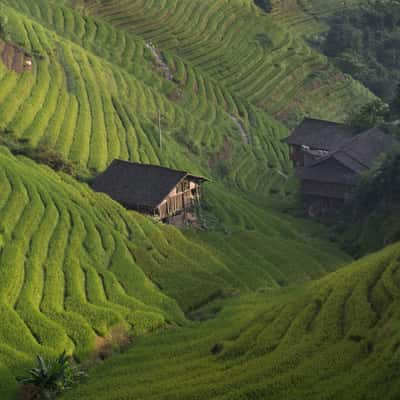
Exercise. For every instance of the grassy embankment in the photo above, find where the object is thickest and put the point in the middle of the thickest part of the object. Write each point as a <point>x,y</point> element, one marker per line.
<point>74,264</point>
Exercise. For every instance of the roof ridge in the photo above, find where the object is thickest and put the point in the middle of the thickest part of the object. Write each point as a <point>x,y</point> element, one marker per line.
<point>354,158</point>
<point>323,120</point>
<point>131,163</point>
<point>375,129</point>
<point>118,160</point>
<point>344,148</point>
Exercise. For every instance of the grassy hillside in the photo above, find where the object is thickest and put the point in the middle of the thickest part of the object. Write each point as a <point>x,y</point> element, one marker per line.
<point>247,51</point>
<point>67,273</point>
<point>104,102</point>
<point>335,338</point>
<point>107,86</point>
<point>73,264</point>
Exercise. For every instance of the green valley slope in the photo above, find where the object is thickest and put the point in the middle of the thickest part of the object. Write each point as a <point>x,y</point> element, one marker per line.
<point>74,264</point>
<point>336,338</point>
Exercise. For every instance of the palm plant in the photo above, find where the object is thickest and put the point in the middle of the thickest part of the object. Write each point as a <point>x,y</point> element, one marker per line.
<point>51,378</point>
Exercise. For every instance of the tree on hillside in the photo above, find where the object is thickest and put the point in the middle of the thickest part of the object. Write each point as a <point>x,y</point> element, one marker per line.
<point>365,43</point>
<point>265,5</point>
<point>371,114</point>
<point>380,188</point>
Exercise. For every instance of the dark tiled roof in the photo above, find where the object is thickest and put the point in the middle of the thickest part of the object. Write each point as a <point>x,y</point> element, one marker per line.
<point>139,185</point>
<point>319,134</point>
<point>355,157</point>
<point>349,161</point>
<point>368,146</point>
<point>329,171</point>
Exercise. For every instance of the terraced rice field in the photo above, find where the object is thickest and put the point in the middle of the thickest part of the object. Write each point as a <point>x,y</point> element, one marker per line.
<point>67,271</point>
<point>335,338</point>
<point>104,103</point>
<point>74,265</point>
<point>107,89</point>
<point>248,52</point>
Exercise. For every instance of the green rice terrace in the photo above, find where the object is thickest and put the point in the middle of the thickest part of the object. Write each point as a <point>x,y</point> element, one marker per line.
<point>335,338</point>
<point>258,303</point>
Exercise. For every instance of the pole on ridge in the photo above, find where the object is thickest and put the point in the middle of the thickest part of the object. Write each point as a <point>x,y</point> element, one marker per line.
<point>159,127</point>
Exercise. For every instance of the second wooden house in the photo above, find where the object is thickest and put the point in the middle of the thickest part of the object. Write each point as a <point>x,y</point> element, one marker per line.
<point>331,158</point>
<point>327,182</point>
<point>315,138</point>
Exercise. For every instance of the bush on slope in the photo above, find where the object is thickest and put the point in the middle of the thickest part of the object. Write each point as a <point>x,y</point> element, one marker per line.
<point>364,43</point>
<point>335,338</point>
<point>373,215</point>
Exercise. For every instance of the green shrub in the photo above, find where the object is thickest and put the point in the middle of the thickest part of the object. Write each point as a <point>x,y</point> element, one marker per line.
<point>371,114</point>
<point>365,42</point>
<point>49,157</point>
<point>51,378</point>
<point>265,5</point>
<point>264,40</point>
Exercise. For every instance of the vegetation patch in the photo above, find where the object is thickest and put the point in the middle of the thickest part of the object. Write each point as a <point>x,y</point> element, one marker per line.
<point>50,378</point>
<point>264,5</point>
<point>364,42</point>
<point>373,216</point>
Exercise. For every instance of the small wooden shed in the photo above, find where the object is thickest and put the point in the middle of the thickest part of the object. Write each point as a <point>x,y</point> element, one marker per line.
<point>15,58</point>
<point>150,189</point>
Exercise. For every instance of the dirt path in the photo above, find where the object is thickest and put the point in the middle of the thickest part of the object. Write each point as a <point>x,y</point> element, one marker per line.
<point>243,133</point>
<point>160,62</point>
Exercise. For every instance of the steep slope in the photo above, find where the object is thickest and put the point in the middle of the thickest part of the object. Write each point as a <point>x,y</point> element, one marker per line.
<point>247,51</point>
<point>121,119</point>
<point>104,102</point>
<point>75,265</point>
<point>335,338</point>
<point>67,271</point>
<point>108,86</point>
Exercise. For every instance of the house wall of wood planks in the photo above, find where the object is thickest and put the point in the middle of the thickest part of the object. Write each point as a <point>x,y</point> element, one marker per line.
<point>183,197</point>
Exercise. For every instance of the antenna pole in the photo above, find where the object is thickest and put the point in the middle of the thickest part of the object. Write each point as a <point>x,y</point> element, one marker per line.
<point>159,127</point>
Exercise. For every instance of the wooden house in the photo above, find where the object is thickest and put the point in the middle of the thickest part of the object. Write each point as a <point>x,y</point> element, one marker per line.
<point>150,189</point>
<point>15,58</point>
<point>329,180</point>
<point>315,138</point>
